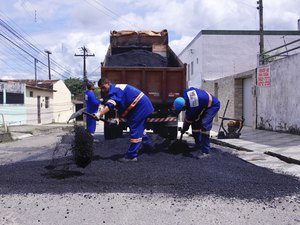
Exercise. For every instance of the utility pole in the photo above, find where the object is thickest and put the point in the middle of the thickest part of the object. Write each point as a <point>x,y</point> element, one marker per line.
<point>48,52</point>
<point>85,54</point>
<point>35,72</point>
<point>261,30</point>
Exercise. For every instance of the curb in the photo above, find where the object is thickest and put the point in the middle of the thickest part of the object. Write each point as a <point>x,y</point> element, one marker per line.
<point>283,158</point>
<point>239,148</point>
<point>218,142</point>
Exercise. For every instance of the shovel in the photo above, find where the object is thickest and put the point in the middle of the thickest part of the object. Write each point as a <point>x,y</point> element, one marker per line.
<point>82,111</point>
<point>179,146</point>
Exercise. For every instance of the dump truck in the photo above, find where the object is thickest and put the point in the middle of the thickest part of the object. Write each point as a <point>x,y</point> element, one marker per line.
<point>145,60</point>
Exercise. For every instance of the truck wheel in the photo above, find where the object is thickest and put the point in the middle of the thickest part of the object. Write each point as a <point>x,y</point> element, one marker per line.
<point>112,131</point>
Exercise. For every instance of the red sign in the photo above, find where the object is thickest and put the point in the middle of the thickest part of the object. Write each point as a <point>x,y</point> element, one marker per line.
<point>263,76</point>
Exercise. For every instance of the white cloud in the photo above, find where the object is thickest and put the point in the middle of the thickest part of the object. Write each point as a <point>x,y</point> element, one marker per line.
<point>64,26</point>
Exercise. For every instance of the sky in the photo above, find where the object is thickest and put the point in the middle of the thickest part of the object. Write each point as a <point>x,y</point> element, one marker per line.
<point>29,27</point>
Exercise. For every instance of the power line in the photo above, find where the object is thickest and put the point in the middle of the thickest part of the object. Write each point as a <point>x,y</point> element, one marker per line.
<point>110,13</point>
<point>17,38</point>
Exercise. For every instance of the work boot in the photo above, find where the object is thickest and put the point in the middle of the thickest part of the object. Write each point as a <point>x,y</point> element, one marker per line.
<point>203,155</point>
<point>125,159</point>
<point>96,141</point>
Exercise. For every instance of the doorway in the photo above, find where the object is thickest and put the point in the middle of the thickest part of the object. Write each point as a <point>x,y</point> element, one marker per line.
<point>247,102</point>
<point>39,109</point>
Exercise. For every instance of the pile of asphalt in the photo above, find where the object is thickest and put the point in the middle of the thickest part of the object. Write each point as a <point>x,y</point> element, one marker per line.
<point>137,58</point>
<point>156,171</point>
<point>82,147</point>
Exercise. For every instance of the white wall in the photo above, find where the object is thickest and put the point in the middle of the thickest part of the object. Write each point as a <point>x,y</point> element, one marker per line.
<point>222,55</point>
<point>62,103</point>
<point>278,106</point>
<point>31,106</point>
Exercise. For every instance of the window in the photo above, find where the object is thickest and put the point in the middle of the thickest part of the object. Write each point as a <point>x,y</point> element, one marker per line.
<point>192,68</point>
<point>1,97</point>
<point>47,102</point>
<point>14,98</point>
<point>31,93</point>
<point>188,72</point>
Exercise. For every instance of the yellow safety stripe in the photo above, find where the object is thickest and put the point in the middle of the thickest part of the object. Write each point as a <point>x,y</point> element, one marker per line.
<point>209,100</point>
<point>188,121</point>
<point>201,131</point>
<point>112,102</point>
<point>136,100</point>
<point>135,140</point>
<point>196,131</point>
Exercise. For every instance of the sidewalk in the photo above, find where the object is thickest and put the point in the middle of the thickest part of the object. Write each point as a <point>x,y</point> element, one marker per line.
<point>283,145</point>
<point>278,151</point>
<point>24,131</point>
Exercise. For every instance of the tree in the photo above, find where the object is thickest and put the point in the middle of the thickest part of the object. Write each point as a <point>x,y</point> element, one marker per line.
<point>76,86</point>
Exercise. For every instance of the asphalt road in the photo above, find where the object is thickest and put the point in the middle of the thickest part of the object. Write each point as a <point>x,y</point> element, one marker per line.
<point>161,188</point>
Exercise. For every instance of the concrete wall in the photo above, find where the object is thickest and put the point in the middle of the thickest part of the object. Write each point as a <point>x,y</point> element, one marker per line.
<point>278,106</point>
<point>231,88</point>
<point>62,103</point>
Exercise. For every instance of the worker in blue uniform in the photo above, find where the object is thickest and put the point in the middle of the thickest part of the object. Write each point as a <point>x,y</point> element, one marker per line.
<point>133,105</point>
<point>92,105</point>
<point>200,109</point>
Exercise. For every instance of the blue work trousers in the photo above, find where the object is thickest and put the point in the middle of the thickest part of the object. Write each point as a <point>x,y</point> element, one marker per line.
<point>202,141</point>
<point>137,137</point>
<point>91,125</point>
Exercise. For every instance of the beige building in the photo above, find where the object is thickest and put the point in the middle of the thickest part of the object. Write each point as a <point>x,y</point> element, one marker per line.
<point>35,102</point>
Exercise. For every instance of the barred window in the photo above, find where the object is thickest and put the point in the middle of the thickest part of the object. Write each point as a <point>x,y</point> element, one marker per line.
<point>14,98</point>
<point>47,103</point>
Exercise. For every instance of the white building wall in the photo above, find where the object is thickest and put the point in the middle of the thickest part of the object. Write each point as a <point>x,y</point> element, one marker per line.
<point>62,103</point>
<point>193,54</point>
<point>32,106</point>
<point>221,55</point>
<point>278,106</point>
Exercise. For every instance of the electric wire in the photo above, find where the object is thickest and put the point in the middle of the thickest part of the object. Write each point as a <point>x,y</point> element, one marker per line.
<point>31,47</point>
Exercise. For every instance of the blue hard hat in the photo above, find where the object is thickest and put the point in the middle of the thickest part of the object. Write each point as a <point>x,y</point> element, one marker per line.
<point>179,103</point>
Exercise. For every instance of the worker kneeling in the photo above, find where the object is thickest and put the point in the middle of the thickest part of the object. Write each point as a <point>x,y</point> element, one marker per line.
<point>201,108</point>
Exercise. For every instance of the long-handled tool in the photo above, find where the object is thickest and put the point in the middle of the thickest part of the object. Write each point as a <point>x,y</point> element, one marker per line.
<point>83,111</point>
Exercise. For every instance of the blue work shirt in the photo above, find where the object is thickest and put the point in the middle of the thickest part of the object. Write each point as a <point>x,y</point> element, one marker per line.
<point>121,97</point>
<point>197,101</point>
<point>92,103</point>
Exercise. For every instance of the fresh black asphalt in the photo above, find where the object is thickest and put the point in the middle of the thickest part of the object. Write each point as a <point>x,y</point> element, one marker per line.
<point>158,171</point>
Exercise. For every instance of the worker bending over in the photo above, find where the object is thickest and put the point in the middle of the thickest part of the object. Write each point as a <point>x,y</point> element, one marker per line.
<point>133,105</point>
<point>200,109</point>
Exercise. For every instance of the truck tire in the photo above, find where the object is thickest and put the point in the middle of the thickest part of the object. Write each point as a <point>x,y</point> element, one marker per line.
<point>112,131</point>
